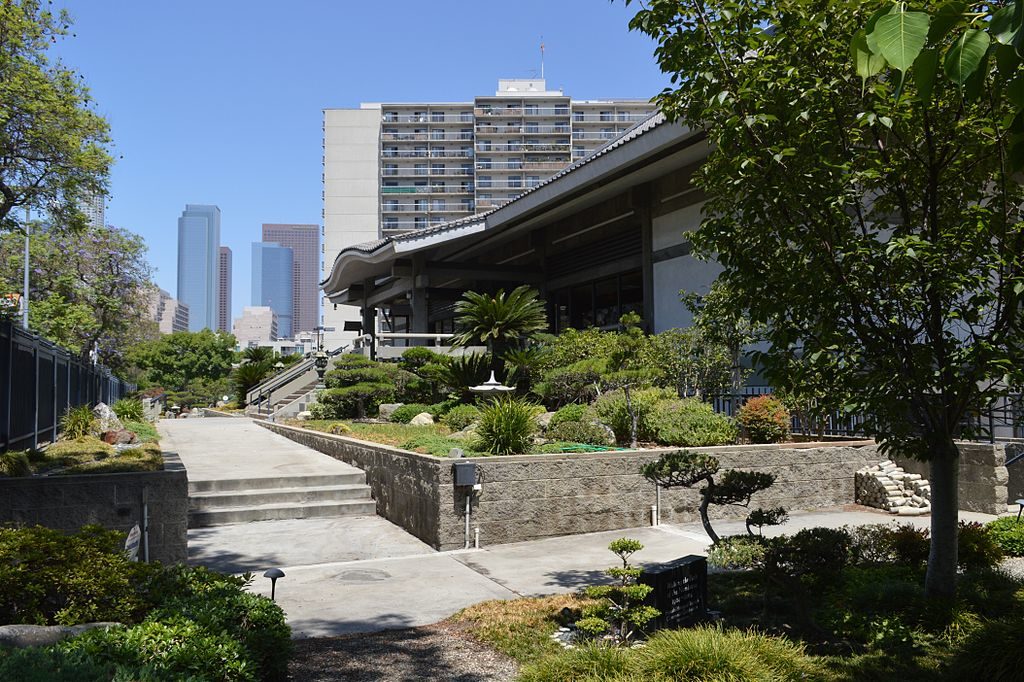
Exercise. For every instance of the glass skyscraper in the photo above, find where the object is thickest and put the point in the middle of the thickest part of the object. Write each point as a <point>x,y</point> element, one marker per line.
<point>198,256</point>
<point>272,282</point>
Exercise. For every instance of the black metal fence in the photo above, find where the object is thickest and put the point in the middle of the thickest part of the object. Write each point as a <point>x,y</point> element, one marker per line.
<point>39,382</point>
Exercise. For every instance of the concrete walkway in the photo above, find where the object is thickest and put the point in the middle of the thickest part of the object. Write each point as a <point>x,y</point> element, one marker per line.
<point>364,574</point>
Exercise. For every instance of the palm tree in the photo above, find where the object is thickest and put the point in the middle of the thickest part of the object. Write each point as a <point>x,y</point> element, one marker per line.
<point>247,375</point>
<point>501,321</point>
<point>258,354</point>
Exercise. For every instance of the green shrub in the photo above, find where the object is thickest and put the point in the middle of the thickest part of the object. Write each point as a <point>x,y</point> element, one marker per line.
<point>129,409</point>
<point>436,445</point>
<point>610,409</point>
<point>460,416</point>
<point>416,357</point>
<point>319,410</point>
<point>709,654</point>
<point>15,463</point>
<point>507,426</point>
<point>576,383</point>
<point>146,432</point>
<point>993,653</point>
<point>49,664</point>
<point>174,649</point>
<point>888,543</point>
<point>910,544</point>
<point>405,413</point>
<point>591,663</point>
<point>816,552</point>
<point>618,611</point>
<point>764,419</point>
<point>77,422</point>
<point>586,432</point>
<point>573,412</point>
<point>738,551</point>
<point>690,422</point>
<point>355,401</point>
<point>976,548</point>
<point>438,410</point>
<point>1008,533</point>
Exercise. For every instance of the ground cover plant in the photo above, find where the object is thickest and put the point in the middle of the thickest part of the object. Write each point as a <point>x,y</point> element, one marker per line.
<point>178,622</point>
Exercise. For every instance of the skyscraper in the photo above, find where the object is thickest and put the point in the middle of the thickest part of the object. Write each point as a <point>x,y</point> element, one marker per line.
<point>94,206</point>
<point>169,314</point>
<point>304,241</point>
<point>391,168</point>
<point>272,268</point>
<point>224,292</point>
<point>198,256</point>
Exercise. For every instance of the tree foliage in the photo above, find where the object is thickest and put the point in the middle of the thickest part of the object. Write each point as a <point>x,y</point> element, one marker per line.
<point>52,144</point>
<point>177,361</point>
<point>501,322</point>
<point>863,201</point>
<point>88,289</point>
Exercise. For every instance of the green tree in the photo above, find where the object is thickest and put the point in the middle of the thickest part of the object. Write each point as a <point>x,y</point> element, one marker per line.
<point>718,321</point>
<point>183,359</point>
<point>501,322</point>
<point>52,144</point>
<point>863,203</point>
<point>89,288</point>
<point>626,369</point>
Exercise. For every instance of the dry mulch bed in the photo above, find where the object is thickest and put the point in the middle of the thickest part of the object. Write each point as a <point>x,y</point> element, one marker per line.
<point>443,651</point>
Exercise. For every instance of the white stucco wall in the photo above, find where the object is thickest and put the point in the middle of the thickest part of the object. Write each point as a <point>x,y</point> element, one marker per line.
<point>680,273</point>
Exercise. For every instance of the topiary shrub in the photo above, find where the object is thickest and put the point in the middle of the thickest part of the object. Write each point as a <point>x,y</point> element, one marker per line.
<point>618,611</point>
<point>690,422</point>
<point>416,357</point>
<point>1008,533</point>
<point>610,409</point>
<point>574,412</point>
<point>764,419</point>
<point>129,409</point>
<point>507,426</point>
<point>585,432</point>
<point>405,413</point>
<point>710,654</point>
<point>576,383</point>
<point>460,417</point>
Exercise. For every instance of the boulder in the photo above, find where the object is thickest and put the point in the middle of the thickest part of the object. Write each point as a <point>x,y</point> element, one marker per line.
<point>422,419</point>
<point>23,636</point>
<point>304,415</point>
<point>544,420</point>
<point>106,420</point>
<point>388,409</point>
<point>466,433</point>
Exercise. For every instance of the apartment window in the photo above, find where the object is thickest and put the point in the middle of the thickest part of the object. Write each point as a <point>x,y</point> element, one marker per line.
<point>391,205</point>
<point>420,169</point>
<point>390,169</point>
<point>531,127</point>
<point>419,222</point>
<point>607,133</point>
<point>531,110</point>
<point>390,183</point>
<point>437,134</point>
<point>561,110</point>
<point>467,169</point>
<point>436,220</point>
<point>420,183</point>
<point>467,205</point>
<point>577,115</point>
<point>437,168</point>
<point>515,163</point>
<point>466,134</point>
<point>390,222</point>
<point>438,205</point>
<point>515,181</point>
<point>419,131</point>
<point>420,150</point>
<point>419,205</point>
<point>483,181</point>
<point>437,116</point>
<point>390,151</point>
<point>483,164</point>
<point>438,152</point>
<point>466,117</point>
<point>390,116</point>
<point>532,180</point>
<point>466,187</point>
<point>606,116</point>
<point>578,151</point>
<point>419,116</point>
<point>485,145</point>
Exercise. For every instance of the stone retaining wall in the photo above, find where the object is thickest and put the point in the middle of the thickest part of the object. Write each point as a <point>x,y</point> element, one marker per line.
<point>535,496</point>
<point>983,476</point>
<point>110,500</point>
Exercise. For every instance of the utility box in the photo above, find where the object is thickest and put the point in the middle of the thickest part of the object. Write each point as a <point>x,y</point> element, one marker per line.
<point>465,474</point>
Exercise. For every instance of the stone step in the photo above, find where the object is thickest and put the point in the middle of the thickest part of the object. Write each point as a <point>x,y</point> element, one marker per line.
<point>276,512</point>
<point>301,495</point>
<point>355,477</point>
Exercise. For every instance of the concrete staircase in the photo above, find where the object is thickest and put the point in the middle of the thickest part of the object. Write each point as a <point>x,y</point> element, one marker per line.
<point>218,502</point>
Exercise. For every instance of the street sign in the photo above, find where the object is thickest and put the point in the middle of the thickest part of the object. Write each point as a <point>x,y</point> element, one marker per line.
<point>131,544</point>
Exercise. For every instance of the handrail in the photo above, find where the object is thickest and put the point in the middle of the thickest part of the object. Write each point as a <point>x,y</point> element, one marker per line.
<point>278,380</point>
<point>1014,459</point>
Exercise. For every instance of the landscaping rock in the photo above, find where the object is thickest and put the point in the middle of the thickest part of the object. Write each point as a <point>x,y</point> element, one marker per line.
<point>23,636</point>
<point>422,419</point>
<point>388,409</point>
<point>106,420</point>
<point>120,437</point>
<point>544,420</point>
<point>466,433</point>
<point>304,415</point>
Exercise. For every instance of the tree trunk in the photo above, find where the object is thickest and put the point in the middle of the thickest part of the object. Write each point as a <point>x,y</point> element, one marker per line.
<point>940,580</point>
<point>705,521</point>
<point>632,418</point>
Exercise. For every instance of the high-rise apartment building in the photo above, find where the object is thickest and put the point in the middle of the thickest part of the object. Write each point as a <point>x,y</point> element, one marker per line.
<point>395,167</point>
<point>224,290</point>
<point>257,325</point>
<point>272,268</point>
<point>170,314</point>
<point>304,241</point>
<point>198,259</point>
<point>94,206</point>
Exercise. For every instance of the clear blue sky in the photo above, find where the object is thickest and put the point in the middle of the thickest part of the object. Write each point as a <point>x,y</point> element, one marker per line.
<point>219,101</point>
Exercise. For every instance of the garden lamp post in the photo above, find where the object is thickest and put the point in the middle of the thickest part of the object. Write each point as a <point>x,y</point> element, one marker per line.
<point>491,387</point>
<point>320,362</point>
<point>273,574</point>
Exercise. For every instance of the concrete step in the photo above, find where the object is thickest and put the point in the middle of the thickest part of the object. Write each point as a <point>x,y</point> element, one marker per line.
<point>355,477</point>
<point>218,499</point>
<point>276,512</point>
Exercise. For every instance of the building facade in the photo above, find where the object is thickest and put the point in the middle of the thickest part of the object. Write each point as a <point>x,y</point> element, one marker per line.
<point>224,290</point>
<point>272,279</point>
<point>198,260</point>
<point>94,206</point>
<point>393,168</point>
<point>256,326</point>
<point>304,241</point>
<point>170,314</point>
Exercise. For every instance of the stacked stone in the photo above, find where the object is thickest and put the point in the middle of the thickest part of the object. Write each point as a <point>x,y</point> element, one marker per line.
<point>887,486</point>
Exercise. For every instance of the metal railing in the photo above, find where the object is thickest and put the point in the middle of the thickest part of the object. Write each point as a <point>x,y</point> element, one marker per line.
<point>522,147</point>
<point>427,189</point>
<point>425,137</point>
<point>458,172</point>
<point>416,208</point>
<point>39,382</point>
<point>390,117</point>
<point>427,154</point>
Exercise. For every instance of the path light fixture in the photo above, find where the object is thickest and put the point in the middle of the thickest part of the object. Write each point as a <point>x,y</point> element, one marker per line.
<point>278,365</point>
<point>491,387</point>
<point>273,574</point>
<point>320,362</point>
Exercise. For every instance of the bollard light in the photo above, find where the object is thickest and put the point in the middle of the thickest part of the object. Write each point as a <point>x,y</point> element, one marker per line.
<point>273,574</point>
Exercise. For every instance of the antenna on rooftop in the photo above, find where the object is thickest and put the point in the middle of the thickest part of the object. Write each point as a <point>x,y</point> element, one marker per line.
<point>542,57</point>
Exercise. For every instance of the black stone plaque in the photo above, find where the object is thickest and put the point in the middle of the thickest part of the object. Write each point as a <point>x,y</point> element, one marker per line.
<point>680,591</point>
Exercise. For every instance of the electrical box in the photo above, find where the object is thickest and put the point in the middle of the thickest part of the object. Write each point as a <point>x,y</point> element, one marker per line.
<point>465,474</point>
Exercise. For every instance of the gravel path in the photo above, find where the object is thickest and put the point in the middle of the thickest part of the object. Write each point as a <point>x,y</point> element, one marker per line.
<point>434,652</point>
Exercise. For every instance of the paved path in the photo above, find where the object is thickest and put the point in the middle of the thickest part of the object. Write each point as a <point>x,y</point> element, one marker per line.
<point>364,574</point>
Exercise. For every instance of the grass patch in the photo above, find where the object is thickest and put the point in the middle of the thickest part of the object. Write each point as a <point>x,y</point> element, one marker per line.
<point>145,431</point>
<point>90,455</point>
<point>521,629</point>
<point>145,457</point>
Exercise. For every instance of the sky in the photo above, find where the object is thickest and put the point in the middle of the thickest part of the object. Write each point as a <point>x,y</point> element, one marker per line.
<point>220,101</point>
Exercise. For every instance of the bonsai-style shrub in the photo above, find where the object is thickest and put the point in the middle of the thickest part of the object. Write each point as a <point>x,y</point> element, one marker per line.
<point>685,469</point>
<point>460,416</point>
<point>573,412</point>
<point>129,409</point>
<point>610,409</point>
<point>759,518</point>
<point>619,612</point>
<point>579,382</point>
<point>764,419</point>
<point>507,426</point>
<point>1008,533</point>
<point>416,357</point>
<point>586,432</point>
<point>691,423</point>
<point>357,385</point>
<point>405,413</point>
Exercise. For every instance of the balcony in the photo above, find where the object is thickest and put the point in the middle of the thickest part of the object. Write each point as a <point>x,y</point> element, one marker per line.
<point>424,137</point>
<point>484,204</point>
<point>426,154</point>
<point>428,118</point>
<point>501,187</point>
<point>428,189</point>
<point>523,130</point>
<point>498,112</point>
<point>520,147</point>
<point>427,172</point>
<point>417,208</point>
<point>610,118</point>
<point>579,135</point>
